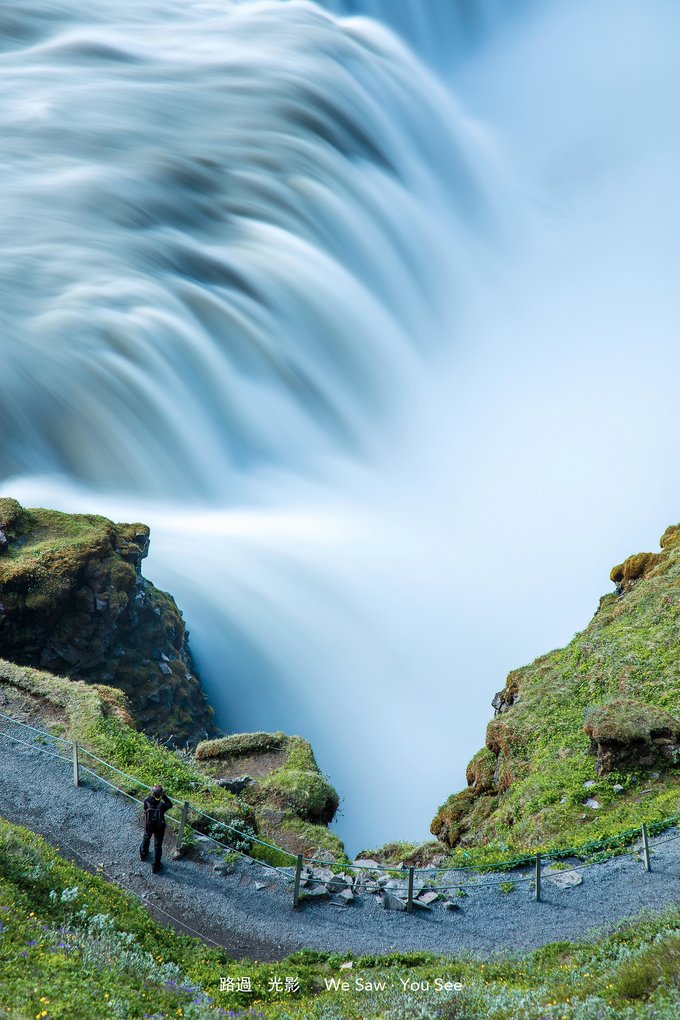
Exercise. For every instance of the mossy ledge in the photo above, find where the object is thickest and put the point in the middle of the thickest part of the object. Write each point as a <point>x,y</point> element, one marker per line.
<point>586,740</point>
<point>73,601</point>
<point>293,800</point>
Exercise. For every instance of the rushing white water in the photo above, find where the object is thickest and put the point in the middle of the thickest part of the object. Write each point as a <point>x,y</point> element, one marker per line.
<point>214,217</point>
<point>267,286</point>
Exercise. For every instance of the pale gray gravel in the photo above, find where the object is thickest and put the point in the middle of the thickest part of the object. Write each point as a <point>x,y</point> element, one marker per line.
<point>249,912</point>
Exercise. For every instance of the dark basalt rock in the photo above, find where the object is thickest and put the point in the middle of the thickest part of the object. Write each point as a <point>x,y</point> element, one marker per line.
<point>235,784</point>
<point>74,602</point>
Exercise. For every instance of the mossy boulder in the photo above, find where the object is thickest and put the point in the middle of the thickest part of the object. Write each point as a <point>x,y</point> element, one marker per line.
<point>10,512</point>
<point>635,567</point>
<point>627,734</point>
<point>241,745</point>
<point>481,772</point>
<point>307,794</point>
<point>73,602</point>
<point>287,784</point>
<point>460,819</point>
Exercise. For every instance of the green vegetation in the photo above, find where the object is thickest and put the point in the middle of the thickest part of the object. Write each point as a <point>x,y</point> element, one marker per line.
<point>97,718</point>
<point>238,745</point>
<point>602,712</point>
<point>287,778</point>
<point>599,712</point>
<point>306,793</point>
<point>48,549</point>
<point>74,602</point>
<point>75,947</point>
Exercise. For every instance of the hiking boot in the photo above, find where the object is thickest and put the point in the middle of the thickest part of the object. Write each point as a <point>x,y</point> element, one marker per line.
<point>156,868</point>
<point>143,856</point>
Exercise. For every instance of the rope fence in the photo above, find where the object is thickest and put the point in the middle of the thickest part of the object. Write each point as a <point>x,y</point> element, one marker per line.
<point>612,844</point>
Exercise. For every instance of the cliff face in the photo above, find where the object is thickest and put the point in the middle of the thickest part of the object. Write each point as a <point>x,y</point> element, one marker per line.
<point>73,601</point>
<point>585,740</point>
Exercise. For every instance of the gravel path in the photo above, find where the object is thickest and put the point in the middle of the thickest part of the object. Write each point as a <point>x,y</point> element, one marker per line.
<point>249,912</point>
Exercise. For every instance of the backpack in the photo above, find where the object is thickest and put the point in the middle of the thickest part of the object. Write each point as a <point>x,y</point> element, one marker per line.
<point>154,816</point>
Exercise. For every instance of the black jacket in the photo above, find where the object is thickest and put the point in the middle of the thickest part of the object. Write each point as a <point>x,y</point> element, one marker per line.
<point>154,811</point>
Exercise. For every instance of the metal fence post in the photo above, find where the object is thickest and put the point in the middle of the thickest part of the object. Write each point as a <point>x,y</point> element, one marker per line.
<point>76,776</point>
<point>296,887</point>
<point>409,898</point>
<point>645,849</point>
<point>182,826</point>
<point>538,878</point>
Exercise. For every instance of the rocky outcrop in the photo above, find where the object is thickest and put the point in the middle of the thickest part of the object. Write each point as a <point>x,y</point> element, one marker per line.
<point>279,777</point>
<point>625,575</point>
<point>509,696</point>
<point>626,734</point>
<point>73,601</point>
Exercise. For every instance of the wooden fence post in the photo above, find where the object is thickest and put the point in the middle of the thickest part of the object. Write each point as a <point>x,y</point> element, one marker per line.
<point>537,895</point>
<point>76,775</point>
<point>645,849</point>
<point>409,901</point>
<point>296,887</point>
<point>182,826</point>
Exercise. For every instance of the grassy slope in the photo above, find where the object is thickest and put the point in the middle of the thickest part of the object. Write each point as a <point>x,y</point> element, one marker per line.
<point>96,716</point>
<point>74,947</point>
<point>526,787</point>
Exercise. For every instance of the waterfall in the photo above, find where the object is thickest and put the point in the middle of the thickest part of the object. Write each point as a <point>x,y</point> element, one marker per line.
<point>235,235</point>
<point>441,30</point>
<point>270,285</point>
<point>193,194</point>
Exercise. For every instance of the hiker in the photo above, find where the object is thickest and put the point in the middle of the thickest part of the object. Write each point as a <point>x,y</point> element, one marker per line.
<point>155,807</point>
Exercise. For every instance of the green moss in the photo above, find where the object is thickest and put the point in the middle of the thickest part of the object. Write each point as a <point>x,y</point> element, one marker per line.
<point>49,549</point>
<point>313,837</point>
<point>10,512</point>
<point>306,793</point>
<point>239,745</point>
<point>626,721</point>
<point>634,567</point>
<point>480,772</point>
<point>390,853</point>
<point>301,755</point>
